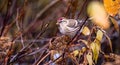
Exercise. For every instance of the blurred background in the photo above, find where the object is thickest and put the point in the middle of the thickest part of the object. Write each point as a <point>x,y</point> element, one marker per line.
<point>24,20</point>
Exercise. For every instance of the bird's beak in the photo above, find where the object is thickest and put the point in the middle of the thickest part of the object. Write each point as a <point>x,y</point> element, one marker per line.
<point>57,23</point>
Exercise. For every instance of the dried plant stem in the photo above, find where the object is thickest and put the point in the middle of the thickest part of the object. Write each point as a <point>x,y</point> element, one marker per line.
<point>43,58</point>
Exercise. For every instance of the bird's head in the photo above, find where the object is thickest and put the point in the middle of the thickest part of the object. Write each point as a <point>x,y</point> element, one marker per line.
<point>60,20</point>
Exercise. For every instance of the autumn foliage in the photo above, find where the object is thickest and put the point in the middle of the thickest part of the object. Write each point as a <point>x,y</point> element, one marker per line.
<point>29,34</point>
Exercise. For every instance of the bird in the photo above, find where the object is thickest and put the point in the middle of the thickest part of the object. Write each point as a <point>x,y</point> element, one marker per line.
<point>68,27</point>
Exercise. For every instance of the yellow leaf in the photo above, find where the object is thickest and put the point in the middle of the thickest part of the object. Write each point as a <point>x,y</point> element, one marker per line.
<point>98,14</point>
<point>112,6</point>
<point>95,46</point>
<point>95,49</point>
<point>86,31</point>
<point>99,35</point>
<point>89,58</point>
<point>116,25</point>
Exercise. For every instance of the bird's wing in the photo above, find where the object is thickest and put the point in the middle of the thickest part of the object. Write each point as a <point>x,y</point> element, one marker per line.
<point>71,29</point>
<point>72,23</point>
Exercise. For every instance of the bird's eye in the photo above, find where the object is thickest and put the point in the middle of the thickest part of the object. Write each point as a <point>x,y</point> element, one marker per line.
<point>60,18</point>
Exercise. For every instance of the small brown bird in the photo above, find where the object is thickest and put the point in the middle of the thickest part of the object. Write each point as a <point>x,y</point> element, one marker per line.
<point>68,27</point>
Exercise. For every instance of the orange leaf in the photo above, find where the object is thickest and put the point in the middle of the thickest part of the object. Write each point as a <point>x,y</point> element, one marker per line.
<point>112,6</point>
